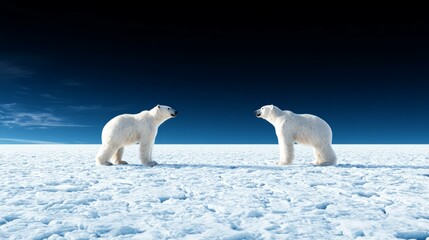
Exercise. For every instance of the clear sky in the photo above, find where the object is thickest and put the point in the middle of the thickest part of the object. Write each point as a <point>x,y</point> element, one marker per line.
<point>66,70</point>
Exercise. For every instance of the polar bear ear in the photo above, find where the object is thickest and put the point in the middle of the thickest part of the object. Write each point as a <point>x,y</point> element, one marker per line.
<point>158,106</point>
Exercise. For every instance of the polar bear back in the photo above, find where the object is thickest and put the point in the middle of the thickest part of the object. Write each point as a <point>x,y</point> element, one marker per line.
<point>126,129</point>
<point>309,129</point>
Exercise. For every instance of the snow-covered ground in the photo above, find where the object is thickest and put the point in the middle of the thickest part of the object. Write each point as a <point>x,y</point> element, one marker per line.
<point>214,192</point>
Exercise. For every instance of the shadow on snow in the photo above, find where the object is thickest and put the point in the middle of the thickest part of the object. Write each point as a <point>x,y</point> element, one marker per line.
<point>278,168</point>
<point>178,166</point>
<point>381,166</point>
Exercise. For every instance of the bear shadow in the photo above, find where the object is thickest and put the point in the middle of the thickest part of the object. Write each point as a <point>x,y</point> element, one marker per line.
<point>226,167</point>
<point>274,167</point>
<point>382,166</point>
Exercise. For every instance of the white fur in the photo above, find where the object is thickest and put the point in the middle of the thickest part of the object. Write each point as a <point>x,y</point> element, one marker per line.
<point>129,129</point>
<point>301,128</point>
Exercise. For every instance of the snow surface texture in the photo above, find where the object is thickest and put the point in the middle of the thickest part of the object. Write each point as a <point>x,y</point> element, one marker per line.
<point>214,192</point>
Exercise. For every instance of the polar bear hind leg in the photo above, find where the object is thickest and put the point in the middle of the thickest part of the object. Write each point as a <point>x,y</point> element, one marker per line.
<point>118,156</point>
<point>324,156</point>
<point>106,152</point>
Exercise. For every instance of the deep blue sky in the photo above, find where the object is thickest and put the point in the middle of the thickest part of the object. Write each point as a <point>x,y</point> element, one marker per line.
<point>66,70</point>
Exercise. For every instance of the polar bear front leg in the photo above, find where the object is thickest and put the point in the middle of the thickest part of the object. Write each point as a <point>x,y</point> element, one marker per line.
<point>146,154</point>
<point>118,156</point>
<point>286,152</point>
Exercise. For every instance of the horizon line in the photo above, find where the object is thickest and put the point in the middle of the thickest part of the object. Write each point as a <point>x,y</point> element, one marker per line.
<point>59,143</point>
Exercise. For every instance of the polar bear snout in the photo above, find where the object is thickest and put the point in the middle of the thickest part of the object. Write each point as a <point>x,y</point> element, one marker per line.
<point>258,112</point>
<point>174,113</point>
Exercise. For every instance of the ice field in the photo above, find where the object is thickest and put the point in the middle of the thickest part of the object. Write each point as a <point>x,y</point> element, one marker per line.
<point>214,192</point>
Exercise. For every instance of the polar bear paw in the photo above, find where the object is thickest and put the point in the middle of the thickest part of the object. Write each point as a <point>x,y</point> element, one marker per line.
<point>151,163</point>
<point>104,163</point>
<point>280,163</point>
<point>323,163</point>
<point>121,162</point>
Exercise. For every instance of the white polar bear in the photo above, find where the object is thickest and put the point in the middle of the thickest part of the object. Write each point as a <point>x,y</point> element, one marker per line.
<point>301,128</point>
<point>129,129</point>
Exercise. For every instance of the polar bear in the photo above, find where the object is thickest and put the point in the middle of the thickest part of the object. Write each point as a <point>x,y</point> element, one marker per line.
<point>301,128</point>
<point>129,129</point>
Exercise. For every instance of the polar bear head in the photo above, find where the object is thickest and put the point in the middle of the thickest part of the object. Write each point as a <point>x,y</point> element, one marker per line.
<point>267,112</point>
<point>164,112</point>
<point>264,111</point>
